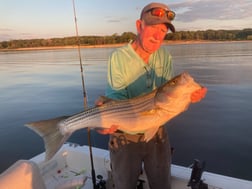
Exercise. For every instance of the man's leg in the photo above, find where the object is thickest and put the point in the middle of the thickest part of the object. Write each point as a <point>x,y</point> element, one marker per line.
<point>157,163</point>
<point>126,161</point>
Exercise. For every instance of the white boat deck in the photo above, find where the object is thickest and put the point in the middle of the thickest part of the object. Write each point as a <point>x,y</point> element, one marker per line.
<point>71,166</point>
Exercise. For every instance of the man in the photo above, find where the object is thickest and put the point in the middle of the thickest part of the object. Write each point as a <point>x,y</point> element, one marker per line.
<point>133,70</point>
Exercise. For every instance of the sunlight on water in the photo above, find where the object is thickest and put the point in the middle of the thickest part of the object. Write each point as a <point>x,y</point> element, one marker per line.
<point>44,84</point>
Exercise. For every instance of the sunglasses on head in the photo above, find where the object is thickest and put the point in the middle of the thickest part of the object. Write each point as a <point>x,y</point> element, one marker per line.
<point>160,12</point>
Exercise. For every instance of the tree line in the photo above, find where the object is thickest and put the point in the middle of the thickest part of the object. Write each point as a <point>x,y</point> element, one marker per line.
<point>214,35</point>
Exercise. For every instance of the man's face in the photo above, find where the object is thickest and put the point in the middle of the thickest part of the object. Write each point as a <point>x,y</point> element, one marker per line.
<point>152,36</point>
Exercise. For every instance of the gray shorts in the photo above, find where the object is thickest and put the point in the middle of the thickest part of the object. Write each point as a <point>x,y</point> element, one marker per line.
<point>129,152</point>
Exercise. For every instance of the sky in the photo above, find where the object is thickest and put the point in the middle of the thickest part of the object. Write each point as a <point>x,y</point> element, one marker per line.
<point>29,19</point>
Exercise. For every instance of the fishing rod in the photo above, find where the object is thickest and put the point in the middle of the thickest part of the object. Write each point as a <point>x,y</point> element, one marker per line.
<point>84,98</point>
<point>79,53</point>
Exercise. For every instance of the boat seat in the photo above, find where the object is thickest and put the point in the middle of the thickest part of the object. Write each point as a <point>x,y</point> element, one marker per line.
<point>23,174</point>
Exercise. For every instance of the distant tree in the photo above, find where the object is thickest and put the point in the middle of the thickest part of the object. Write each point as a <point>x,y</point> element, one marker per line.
<point>127,36</point>
<point>4,44</point>
<point>245,34</point>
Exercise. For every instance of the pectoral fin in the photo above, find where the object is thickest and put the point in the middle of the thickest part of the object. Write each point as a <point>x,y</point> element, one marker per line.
<point>149,134</point>
<point>149,113</point>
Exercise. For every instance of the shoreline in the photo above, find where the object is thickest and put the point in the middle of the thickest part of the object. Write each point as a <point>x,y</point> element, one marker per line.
<point>167,42</point>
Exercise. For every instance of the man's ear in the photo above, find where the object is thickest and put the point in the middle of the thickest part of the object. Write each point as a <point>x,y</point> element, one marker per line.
<point>139,26</point>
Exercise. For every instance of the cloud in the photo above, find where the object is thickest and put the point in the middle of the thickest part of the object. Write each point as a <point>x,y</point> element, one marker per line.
<point>5,30</point>
<point>27,35</point>
<point>213,24</point>
<point>5,34</point>
<point>112,19</point>
<point>193,10</point>
<point>10,34</point>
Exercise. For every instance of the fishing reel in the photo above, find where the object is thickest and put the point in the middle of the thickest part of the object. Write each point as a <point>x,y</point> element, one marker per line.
<point>195,181</point>
<point>140,184</point>
<point>101,184</point>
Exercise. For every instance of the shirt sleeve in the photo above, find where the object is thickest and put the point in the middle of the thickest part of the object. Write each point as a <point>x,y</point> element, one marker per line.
<point>116,88</point>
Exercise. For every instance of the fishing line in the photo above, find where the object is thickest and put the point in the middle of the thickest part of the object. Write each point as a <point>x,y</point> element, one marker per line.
<point>84,98</point>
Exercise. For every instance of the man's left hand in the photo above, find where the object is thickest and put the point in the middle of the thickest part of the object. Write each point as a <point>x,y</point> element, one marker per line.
<point>110,130</point>
<point>197,95</point>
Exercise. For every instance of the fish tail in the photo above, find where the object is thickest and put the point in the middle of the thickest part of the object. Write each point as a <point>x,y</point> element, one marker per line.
<point>49,131</point>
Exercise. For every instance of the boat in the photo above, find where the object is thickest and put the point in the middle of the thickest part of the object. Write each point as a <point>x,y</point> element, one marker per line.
<point>71,168</point>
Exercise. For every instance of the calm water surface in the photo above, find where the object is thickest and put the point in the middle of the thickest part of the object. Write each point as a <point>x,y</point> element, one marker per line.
<point>38,85</point>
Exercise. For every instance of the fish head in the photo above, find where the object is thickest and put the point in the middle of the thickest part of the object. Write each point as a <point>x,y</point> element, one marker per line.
<point>176,93</point>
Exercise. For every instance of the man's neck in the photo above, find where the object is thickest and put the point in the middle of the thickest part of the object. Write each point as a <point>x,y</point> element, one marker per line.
<point>140,51</point>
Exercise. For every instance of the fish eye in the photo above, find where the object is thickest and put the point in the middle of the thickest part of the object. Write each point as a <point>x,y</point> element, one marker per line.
<point>173,82</point>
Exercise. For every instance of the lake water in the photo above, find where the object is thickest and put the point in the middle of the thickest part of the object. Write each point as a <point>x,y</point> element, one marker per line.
<point>38,85</point>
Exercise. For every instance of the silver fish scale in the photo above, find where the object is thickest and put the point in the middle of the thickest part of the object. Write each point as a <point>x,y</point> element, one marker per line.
<point>120,109</point>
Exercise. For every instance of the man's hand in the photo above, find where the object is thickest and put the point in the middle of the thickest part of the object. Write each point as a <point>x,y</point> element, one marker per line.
<point>102,100</point>
<point>111,130</point>
<point>197,95</point>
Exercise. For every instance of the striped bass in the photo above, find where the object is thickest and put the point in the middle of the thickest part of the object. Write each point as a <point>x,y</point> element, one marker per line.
<point>143,114</point>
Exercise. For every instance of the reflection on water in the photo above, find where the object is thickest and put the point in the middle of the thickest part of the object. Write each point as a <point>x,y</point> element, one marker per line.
<point>43,84</point>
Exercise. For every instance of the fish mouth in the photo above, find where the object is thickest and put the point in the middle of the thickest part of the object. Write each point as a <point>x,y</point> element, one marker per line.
<point>189,81</point>
<point>186,76</point>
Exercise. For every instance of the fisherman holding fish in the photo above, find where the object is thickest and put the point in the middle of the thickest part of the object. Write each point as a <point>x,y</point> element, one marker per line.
<point>133,70</point>
<point>140,98</point>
